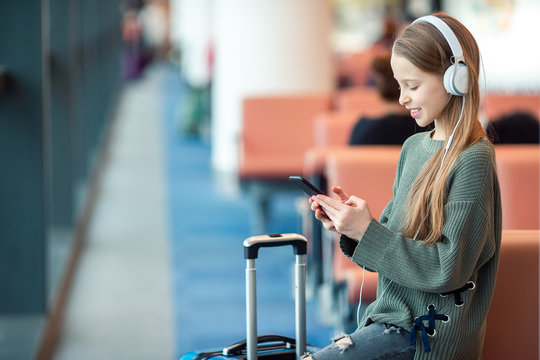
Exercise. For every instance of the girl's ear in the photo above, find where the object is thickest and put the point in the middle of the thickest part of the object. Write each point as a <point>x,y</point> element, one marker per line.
<point>456,79</point>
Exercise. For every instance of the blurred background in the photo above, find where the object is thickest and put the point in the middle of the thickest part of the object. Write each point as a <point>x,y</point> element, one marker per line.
<point>142,141</point>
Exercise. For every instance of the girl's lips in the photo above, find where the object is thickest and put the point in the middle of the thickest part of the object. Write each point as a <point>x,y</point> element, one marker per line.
<point>415,112</point>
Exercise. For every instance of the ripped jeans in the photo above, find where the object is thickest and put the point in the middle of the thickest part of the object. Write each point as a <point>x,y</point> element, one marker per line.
<point>375,341</point>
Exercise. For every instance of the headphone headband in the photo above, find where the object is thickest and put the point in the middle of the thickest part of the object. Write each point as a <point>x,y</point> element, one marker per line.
<point>447,33</point>
<point>455,77</point>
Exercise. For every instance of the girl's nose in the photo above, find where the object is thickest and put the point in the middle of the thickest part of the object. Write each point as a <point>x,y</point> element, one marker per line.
<point>403,98</point>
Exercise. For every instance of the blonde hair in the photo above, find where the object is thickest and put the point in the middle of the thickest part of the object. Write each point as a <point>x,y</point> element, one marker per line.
<point>425,47</point>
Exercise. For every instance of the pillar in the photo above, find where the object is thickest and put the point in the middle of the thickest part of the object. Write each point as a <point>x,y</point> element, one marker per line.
<point>264,47</point>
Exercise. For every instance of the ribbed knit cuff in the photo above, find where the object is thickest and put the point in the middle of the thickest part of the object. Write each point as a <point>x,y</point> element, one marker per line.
<point>347,245</point>
<point>370,249</point>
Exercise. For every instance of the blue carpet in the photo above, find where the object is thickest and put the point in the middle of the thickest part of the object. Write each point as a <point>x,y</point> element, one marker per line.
<point>207,231</point>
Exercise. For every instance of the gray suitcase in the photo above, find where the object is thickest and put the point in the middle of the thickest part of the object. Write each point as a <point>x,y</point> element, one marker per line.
<point>251,249</point>
<point>267,346</point>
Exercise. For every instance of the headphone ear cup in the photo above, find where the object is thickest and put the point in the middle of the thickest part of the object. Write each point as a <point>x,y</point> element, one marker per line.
<point>460,81</point>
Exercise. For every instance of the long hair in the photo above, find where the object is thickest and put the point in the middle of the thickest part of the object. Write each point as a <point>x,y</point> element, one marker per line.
<point>425,47</point>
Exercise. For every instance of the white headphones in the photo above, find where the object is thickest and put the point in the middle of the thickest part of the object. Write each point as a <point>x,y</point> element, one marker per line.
<point>455,77</point>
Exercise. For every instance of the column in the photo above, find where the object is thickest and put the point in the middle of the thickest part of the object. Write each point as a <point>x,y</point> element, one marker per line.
<point>264,47</point>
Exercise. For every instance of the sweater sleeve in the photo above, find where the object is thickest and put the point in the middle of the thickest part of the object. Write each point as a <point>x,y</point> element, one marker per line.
<point>465,245</point>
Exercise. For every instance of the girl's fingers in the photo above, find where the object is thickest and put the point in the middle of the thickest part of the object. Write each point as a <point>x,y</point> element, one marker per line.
<point>327,201</point>
<point>331,213</point>
<point>331,206</point>
<point>340,193</point>
<point>321,215</point>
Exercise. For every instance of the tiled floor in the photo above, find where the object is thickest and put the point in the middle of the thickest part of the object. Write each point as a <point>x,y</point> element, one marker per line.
<point>121,301</point>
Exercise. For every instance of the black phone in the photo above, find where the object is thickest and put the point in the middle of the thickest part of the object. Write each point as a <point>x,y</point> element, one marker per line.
<point>305,185</point>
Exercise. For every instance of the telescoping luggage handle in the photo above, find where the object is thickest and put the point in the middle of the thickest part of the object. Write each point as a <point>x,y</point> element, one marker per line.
<point>251,250</point>
<point>254,243</point>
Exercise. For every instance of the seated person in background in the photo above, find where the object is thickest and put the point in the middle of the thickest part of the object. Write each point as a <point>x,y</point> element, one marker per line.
<point>519,127</point>
<point>396,124</point>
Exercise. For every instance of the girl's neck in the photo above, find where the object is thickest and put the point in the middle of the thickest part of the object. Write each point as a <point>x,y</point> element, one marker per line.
<point>438,133</point>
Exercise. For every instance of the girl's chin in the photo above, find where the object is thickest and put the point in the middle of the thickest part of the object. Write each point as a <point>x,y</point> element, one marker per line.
<point>422,123</point>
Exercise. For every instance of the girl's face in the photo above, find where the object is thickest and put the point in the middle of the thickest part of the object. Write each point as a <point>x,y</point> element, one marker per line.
<point>422,93</point>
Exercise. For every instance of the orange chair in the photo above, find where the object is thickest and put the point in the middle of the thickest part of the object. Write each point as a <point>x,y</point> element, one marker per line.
<point>512,322</point>
<point>354,68</point>
<point>518,168</point>
<point>367,171</point>
<point>498,104</point>
<point>276,131</point>
<point>334,128</point>
<point>315,159</point>
<point>365,99</point>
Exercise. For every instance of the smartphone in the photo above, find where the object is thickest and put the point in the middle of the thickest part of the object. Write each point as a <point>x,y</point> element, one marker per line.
<point>305,185</point>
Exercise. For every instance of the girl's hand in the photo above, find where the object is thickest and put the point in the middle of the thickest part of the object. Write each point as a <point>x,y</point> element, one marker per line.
<point>349,216</point>
<point>321,215</point>
<point>319,211</point>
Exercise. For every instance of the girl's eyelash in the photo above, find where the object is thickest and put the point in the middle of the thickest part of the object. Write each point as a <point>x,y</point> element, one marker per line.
<point>410,87</point>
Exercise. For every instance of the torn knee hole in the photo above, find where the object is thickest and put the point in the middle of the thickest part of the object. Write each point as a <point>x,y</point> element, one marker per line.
<point>343,343</point>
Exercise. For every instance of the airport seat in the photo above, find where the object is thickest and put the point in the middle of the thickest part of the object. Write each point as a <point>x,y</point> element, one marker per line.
<point>498,104</point>
<point>518,168</point>
<point>354,69</point>
<point>334,127</point>
<point>512,322</point>
<point>315,159</point>
<point>276,131</point>
<point>367,171</point>
<point>332,130</point>
<point>364,98</point>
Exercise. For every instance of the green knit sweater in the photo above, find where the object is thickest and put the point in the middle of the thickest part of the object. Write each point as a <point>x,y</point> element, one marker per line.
<point>413,275</point>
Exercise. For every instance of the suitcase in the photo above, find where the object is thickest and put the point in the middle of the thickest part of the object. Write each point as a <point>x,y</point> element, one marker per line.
<point>267,346</point>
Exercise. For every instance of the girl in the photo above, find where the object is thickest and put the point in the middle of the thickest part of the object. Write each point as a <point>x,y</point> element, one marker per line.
<point>436,245</point>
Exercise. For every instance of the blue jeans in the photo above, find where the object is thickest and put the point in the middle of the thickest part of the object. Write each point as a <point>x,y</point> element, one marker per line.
<point>375,341</point>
